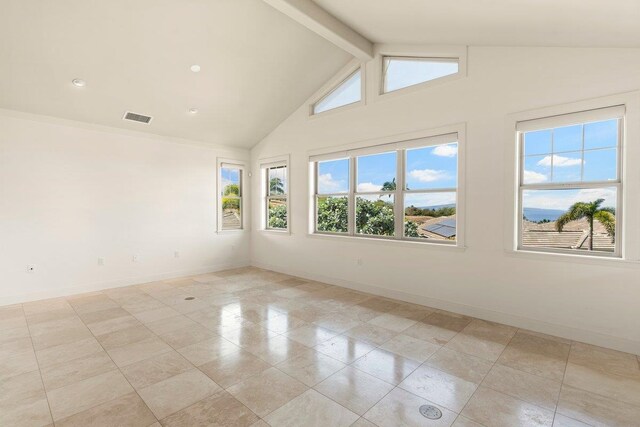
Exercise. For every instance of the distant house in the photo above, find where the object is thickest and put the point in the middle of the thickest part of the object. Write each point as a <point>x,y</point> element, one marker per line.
<point>574,236</point>
<point>442,228</point>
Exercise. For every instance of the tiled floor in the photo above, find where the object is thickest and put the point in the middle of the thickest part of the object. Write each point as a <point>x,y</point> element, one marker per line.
<point>258,348</point>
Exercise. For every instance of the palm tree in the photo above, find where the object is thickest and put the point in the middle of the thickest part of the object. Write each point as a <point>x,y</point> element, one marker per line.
<point>276,186</point>
<point>389,186</point>
<point>591,211</point>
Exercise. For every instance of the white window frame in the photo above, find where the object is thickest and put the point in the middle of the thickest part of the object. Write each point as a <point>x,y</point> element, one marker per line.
<point>630,176</point>
<point>580,117</point>
<point>265,165</point>
<point>416,52</point>
<point>235,164</point>
<point>349,70</point>
<point>399,144</point>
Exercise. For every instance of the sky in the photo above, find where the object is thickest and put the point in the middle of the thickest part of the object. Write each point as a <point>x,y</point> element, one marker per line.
<point>348,92</point>
<point>565,154</point>
<point>404,73</point>
<point>229,176</point>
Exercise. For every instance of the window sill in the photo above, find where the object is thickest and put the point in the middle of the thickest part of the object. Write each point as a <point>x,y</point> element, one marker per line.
<point>239,230</point>
<point>573,258</point>
<point>393,242</point>
<point>276,232</point>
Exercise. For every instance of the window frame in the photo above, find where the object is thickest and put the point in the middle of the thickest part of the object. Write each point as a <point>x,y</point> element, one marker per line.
<point>230,164</point>
<point>421,139</point>
<point>383,73</point>
<point>582,117</point>
<point>265,166</point>
<point>332,85</point>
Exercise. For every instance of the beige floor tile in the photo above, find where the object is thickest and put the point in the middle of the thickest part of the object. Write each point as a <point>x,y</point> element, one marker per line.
<point>362,422</point>
<point>392,322</point>
<point>310,368</point>
<point>386,366</point>
<point>155,369</point>
<point>233,367</point>
<point>483,339</point>
<point>208,350</point>
<point>308,313</point>
<point>7,335</point>
<point>112,325</point>
<point>469,368</point>
<point>410,347</point>
<point>492,408</point>
<point>380,304</point>
<point>17,364</point>
<point>155,314</point>
<point>438,327</point>
<point>58,332</point>
<point>170,324</point>
<point>220,409</point>
<point>439,387</point>
<point>14,346</point>
<point>187,336</point>
<point>12,317</point>
<point>142,303</point>
<point>338,323</point>
<point>248,335</point>
<point>359,313</point>
<point>400,408</point>
<point>595,409</point>
<point>371,334</point>
<point>605,360</point>
<point>563,421</point>
<point>344,349</point>
<point>68,372</point>
<point>536,355</point>
<point>465,422</point>
<point>412,311</point>
<point>178,392</point>
<point>66,352</point>
<point>539,391</point>
<point>267,391</point>
<point>20,389</point>
<point>137,351</point>
<point>311,409</point>
<point>99,303</point>
<point>62,312</point>
<point>310,335</point>
<point>82,395</point>
<point>27,413</point>
<point>125,411</point>
<point>283,323</point>
<point>124,336</point>
<point>354,389</point>
<point>102,315</point>
<point>616,387</point>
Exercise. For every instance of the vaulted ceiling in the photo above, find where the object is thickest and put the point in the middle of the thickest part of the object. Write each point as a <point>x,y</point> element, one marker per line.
<point>257,65</point>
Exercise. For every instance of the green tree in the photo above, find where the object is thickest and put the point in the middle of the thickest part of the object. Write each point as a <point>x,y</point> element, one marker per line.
<point>232,189</point>
<point>276,186</point>
<point>389,186</point>
<point>374,217</point>
<point>591,211</point>
<point>278,216</point>
<point>411,229</point>
<point>332,214</point>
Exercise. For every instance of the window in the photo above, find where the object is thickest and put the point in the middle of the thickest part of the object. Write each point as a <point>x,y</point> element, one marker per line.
<point>347,92</point>
<point>401,72</point>
<point>570,186</point>
<point>401,191</point>
<point>230,201</point>
<point>276,190</point>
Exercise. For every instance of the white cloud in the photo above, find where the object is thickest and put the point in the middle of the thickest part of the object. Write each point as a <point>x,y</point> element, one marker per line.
<point>328,184</point>
<point>562,200</point>
<point>559,161</point>
<point>432,199</point>
<point>428,175</point>
<point>450,150</point>
<point>531,177</point>
<point>365,187</point>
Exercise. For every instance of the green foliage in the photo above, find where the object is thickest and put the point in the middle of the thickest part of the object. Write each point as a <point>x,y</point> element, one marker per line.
<point>278,216</point>
<point>332,214</point>
<point>276,186</point>
<point>231,189</point>
<point>230,203</point>
<point>411,229</point>
<point>435,213</point>
<point>374,217</point>
<point>591,211</point>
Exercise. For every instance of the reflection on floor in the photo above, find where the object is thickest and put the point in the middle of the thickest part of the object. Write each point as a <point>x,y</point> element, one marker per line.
<point>253,347</point>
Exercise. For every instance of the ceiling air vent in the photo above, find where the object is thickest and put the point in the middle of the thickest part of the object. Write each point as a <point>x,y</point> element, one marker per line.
<point>135,117</point>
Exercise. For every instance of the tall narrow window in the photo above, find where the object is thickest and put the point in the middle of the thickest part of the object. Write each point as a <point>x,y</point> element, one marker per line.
<point>230,214</point>
<point>570,188</point>
<point>346,93</point>
<point>276,183</point>
<point>430,193</point>
<point>401,72</point>
<point>332,201</point>
<point>403,191</point>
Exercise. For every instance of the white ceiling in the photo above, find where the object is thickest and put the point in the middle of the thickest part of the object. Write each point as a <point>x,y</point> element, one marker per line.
<point>582,23</point>
<point>258,66</point>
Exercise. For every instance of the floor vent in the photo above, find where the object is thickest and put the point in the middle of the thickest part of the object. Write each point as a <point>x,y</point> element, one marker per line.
<point>135,117</point>
<point>430,412</point>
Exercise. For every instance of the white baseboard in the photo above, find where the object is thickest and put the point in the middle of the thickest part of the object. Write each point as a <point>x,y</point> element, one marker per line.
<point>563,331</point>
<point>98,286</point>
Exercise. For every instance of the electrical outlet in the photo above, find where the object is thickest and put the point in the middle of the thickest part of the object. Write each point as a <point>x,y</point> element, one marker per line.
<point>31,268</point>
<point>134,258</point>
<point>176,254</point>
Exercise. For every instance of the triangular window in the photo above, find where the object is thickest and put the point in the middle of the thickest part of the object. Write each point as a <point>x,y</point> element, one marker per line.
<point>347,92</point>
<point>402,72</point>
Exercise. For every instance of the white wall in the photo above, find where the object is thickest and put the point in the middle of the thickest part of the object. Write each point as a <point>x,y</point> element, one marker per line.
<point>70,193</point>
<point>598,302</point>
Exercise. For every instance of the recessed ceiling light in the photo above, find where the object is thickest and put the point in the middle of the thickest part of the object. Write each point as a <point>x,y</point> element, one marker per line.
<point>193,110</point>
<point>79,82</point>
<point>195,68</point>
